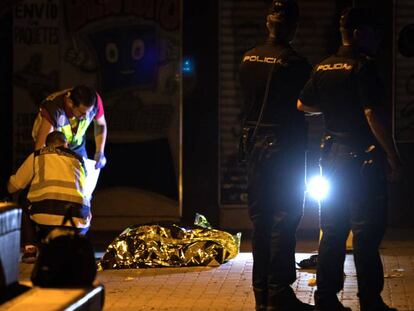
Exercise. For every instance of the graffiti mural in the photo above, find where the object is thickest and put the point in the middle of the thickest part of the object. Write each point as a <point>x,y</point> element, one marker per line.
<point>36,33</point>
<point>31,77</point>
<point>128,57</point>
<point>128,50</point>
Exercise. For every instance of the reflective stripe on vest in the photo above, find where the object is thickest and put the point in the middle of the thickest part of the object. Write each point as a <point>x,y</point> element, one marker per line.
<point>76,139</point>
<point>56,220</point>
<point>58,176</point>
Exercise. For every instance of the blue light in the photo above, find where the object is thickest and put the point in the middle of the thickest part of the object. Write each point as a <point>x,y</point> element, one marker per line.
<point>187,66</point>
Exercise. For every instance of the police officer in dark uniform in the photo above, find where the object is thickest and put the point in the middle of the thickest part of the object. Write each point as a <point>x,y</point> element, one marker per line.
<point>274,142</point>
<point>346,88</point>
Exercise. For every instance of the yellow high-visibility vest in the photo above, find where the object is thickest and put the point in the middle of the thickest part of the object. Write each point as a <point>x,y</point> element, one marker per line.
<point>58,175</point>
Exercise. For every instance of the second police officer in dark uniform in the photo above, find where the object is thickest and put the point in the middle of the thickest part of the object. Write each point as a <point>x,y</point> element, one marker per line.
<point>274,139</point>
<point>346,88</point>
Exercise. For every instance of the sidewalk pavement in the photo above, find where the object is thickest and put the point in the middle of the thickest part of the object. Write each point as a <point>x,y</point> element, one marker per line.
<point>228,287</point>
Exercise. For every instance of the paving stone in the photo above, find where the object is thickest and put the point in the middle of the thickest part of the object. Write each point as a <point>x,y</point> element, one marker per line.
<point>228,287</point>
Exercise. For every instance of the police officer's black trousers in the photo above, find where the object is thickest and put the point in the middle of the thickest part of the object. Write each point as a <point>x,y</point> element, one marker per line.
<point>275,196</point>
<point>357,201</point>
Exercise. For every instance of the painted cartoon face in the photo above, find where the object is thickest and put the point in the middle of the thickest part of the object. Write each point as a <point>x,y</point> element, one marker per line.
<point>128,56</point>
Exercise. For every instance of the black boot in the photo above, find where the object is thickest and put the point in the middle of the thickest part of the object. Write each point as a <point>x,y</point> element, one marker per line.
<point>260,296</point>
<point>373,303</point>
<point>282,298</point>
<point>329,303</point>
<point>380,308</point>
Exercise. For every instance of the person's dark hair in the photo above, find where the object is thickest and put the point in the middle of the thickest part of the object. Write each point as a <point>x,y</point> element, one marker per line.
<point>285,10</point>
<point>55,139</point>
<point>82,94</point>
<point>354,18</point>
<point>282,18</point>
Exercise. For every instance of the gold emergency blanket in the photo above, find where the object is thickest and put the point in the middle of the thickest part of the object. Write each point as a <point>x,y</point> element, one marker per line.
<point>170,245</point>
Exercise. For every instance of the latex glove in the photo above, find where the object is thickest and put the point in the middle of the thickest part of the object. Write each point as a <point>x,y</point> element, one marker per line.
<point>100,160</point>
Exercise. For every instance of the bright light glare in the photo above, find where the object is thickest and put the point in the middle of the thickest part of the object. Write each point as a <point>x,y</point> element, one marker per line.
<point>187,66</point>
<point>318,187</point>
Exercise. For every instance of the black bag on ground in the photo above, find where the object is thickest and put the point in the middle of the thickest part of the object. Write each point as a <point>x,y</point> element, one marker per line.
<point>66,259</point>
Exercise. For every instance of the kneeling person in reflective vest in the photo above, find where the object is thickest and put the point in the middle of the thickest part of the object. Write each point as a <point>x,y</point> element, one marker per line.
<point>57,177</point>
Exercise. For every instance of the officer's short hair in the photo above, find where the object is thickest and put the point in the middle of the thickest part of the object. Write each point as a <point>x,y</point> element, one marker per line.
<point>286,11</point>
<point>55,138</point>
<point>354,18</point>
<point>82,94</point>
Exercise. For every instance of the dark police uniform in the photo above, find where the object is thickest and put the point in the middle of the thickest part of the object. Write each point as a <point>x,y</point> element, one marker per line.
<point>342,86</point>
<point>276,160</point>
